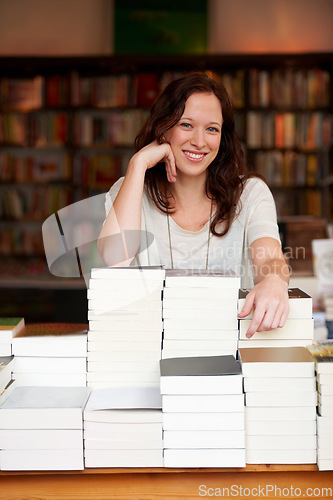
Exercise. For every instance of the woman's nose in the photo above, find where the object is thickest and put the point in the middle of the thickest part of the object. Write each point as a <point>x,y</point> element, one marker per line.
<point>198,138</point>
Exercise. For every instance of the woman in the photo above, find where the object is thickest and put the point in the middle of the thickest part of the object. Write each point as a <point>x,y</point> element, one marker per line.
<point>187,186</point>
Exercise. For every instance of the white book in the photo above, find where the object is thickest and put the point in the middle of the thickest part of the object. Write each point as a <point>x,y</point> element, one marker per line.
<point>204,458</point>
<point>202,403</point>
<point>123,377</point>
<point>106,323</point>
<point>325,399</point>
<point>300,304</point>
<point>173,353</point>
<point>224,295</point>
<point>9,328</point>
<point>123,458</point>
<point>200,334</point>
<point>281,456</point>
<point>7,364</point>
<point>129,415</point>
<point>129,273</point>
<point>34,364</point>
<point>210,278</point>
<point>44,408</point>
<point>119,367</point>
<point>120,399</point>
<point>103,444</point>
<point>51,346</point>
<point>226,384</point>
<point>124,346</point>
<point>276,362</point>
<point>325,464</point>
<point>126,435</point>
<point>286,384</point>
<point>292,329</point>
<point>143,285</point>
<point>125,318</point>
<point>217,323</point>
<point>204,439</point>
<point>207,306</point>
<point>6,349</point>
<point>125,305</point>
<point>325,442</point>
<point>41,459</point>
<point>51,379</point>
<point>186,421</point>
<point>122,356</point>
<point>325,378</point>
<point>123,430</point>
<point>325,410</point>
<point>281,442</point>
<point>213,316</point>
<point>326,389</point>
<point>283,428</point>
<point>126,296</point>
<point>122,385</point>
<point>252,342</point>
<point>200,345</point>
<point>129,335</point>
<point>283,399</point>
<point>298,413</point>
<point>325,453</point>
<point>324,425</point>
<point>41,439</point>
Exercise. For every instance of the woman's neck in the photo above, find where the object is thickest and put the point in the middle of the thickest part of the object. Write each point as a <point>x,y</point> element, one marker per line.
<point>189,192</point>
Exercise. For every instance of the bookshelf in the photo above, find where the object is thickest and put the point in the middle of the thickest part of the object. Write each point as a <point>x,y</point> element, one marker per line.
<point>67,126</point>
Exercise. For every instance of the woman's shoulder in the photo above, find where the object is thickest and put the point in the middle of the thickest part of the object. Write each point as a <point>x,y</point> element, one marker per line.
<point>254,186</point>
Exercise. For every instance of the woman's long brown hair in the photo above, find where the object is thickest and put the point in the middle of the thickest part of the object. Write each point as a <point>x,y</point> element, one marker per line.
<point>225,175</point>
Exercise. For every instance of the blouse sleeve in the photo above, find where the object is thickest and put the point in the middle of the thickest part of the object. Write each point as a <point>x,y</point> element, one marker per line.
<point>262,219</point>
<point>112,194</point>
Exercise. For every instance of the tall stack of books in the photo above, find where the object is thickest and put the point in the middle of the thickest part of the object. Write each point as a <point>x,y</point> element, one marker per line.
<point>280,399</point>
<point>9,328</point>
<point>203,412</point>
<point>200,313</point>
<point>41,428</point>
<point>323,356</point>
<point>125,326</point>
<point>298,330</point>
<point>51,354</point>
<point>123,428</point>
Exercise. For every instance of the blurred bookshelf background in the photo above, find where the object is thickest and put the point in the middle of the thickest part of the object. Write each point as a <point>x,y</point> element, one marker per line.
<point>73,99</point>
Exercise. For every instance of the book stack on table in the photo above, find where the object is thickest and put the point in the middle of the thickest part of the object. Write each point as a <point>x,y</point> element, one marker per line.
<point>9,328</point>
<point>41,428</point>
<point>125,326</point>
<point>123,428</point>
<point>323,356</point>
<point>298,330</point>
<point>200,313</point>
<point>203,412</point>
<point>280,399</point>
<point>51,354</point>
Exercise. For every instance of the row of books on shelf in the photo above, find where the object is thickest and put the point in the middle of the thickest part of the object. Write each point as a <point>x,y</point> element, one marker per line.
<point>289,130</point>
<point>290,168</point>
<point>21,241</point>
<point>32,202</point>
<point>97,170</point>
<point>294,88</point>
<point>308,202</point>
<point>34,166</point>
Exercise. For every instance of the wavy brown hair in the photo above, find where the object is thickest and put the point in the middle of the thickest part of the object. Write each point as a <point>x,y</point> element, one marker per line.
<point>226,174</point>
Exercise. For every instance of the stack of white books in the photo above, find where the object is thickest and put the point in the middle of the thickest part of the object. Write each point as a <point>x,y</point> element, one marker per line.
<point>298,330</point>
<point>9,328</point>
<point>200,313</point>
<point>6,368</point>
<point>203,412</point>
<point>280,399</point>
<point>123,428</point>
<point>323,356</point>
<point>125,326</point>
<point>41,428</point>
<point>51,354</point>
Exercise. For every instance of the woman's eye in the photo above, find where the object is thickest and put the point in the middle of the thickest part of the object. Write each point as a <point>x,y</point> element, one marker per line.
<point>213,129</point>
<point>185,125</point>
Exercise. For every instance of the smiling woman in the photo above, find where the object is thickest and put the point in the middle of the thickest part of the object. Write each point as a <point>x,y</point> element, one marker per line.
<point>187,184</point>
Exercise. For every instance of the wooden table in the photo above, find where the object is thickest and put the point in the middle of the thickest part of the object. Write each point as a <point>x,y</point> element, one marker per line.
<point>255,481</point>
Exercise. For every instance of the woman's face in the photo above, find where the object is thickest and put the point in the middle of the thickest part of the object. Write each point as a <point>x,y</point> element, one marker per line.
<point>195,139</point>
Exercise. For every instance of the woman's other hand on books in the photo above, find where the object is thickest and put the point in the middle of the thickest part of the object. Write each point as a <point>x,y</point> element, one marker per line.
<point>154,153</point>
<point>270,305</point>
